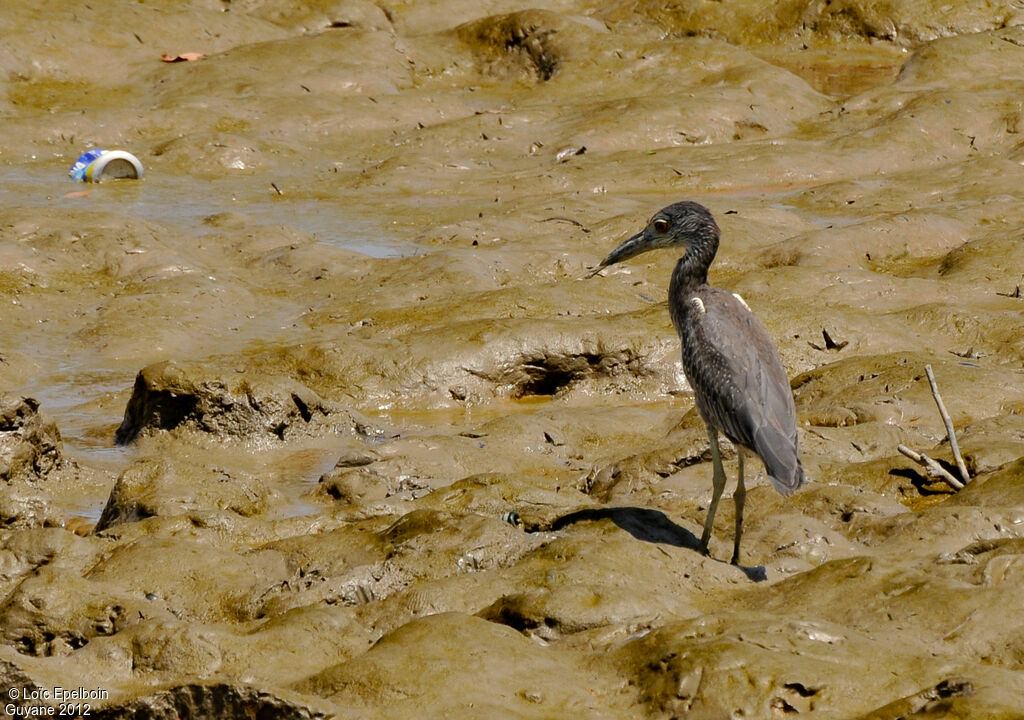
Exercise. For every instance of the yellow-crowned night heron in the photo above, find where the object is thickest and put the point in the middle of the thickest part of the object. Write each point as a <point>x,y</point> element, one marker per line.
<point>730,361</point>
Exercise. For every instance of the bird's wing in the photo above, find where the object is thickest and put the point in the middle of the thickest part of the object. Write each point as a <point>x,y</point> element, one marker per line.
<point>748,393</point>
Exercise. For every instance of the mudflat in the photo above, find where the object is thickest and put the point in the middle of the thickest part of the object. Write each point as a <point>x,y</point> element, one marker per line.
<point>321,418</point>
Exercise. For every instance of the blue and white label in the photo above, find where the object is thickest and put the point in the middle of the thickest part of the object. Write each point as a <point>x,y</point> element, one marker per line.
<point>81,166</point>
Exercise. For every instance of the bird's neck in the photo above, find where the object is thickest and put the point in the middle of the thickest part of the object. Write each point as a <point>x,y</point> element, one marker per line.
<point>691,272</point>
<point>689,276</point>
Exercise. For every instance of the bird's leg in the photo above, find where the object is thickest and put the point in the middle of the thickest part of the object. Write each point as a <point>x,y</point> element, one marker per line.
<point>738,497</point>
<point>718,484</point>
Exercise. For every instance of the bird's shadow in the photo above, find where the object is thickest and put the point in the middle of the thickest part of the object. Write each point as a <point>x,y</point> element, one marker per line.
<point>651,526</point>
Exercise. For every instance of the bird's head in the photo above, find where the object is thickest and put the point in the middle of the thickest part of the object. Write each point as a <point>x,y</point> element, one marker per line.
<point>682,224</point>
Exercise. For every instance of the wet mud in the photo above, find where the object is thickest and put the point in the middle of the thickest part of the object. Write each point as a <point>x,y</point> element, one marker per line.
<point>322,419</point>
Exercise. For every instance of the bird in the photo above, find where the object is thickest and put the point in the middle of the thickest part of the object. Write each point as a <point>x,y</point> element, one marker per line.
<point>739,385</point>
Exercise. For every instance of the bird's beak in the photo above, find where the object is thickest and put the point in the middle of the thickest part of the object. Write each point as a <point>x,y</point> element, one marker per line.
<point>629,248</point>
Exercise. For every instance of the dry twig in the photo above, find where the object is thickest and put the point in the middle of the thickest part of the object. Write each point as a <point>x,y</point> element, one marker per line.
<point>934,469</point>
<point>950,433</point>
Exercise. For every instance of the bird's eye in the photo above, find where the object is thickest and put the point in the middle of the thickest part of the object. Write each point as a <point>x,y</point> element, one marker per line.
<point>660,225</point>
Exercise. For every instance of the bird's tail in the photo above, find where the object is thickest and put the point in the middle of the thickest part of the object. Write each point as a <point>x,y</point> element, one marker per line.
<point>780,458</point>
<point>788,484</point>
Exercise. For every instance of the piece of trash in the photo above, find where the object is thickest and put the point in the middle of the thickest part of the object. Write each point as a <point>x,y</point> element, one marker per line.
<point>512,518</point>
<point>564,154</point>
<point>182,57</point>
<point>97,165</point>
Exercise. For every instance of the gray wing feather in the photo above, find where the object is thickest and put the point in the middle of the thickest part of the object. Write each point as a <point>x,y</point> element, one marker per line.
<point>741,386</point>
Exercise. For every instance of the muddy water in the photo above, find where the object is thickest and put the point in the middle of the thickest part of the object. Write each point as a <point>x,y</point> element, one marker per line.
<point>375,421</point>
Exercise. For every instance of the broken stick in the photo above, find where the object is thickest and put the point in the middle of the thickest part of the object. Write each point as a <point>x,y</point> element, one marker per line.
<point>934,469</point>
<point>950,433</point>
